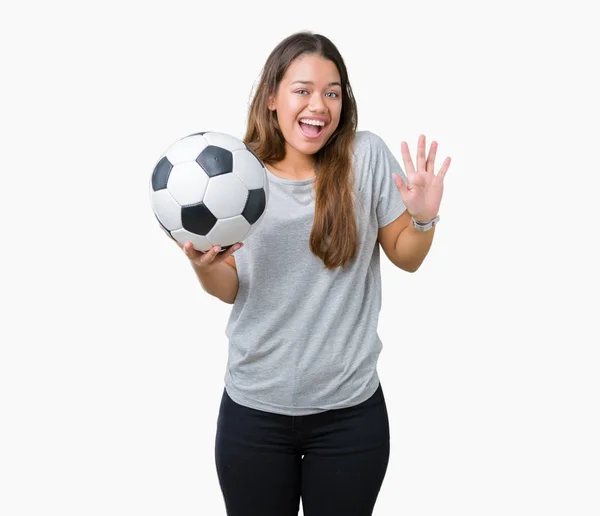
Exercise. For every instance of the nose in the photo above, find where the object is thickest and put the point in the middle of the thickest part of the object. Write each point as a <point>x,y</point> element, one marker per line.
<point>316,103</point>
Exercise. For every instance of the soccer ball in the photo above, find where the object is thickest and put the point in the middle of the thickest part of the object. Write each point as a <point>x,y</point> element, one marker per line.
<point>209,188</point>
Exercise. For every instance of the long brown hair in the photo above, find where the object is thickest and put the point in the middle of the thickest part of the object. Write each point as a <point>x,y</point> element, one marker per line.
<point>334,235</point>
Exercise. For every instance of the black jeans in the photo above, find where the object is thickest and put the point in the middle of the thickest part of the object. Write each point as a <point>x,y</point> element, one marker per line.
<point>335,460</point>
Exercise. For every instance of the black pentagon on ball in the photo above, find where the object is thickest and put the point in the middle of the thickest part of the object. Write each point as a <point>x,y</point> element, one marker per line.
<point>161,173</point>
<point>197,219</point>
<point>215,161</point>
<point>255,205</point>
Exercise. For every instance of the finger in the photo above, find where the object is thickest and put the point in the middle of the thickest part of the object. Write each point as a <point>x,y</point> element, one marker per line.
<point>430,167</point>
<point>421,154</point>
<point>228,252</point>
<point>191,252</point>
<point>210,255</point>
<point>400,183</point>
<point>234,248</point>
<point>444,169</point>
<point>408,163</point>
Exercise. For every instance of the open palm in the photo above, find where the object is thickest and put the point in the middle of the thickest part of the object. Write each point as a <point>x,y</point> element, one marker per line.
<point>423,193</point>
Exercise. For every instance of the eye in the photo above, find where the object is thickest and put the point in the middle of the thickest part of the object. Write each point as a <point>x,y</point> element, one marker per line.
<point>333,94</point>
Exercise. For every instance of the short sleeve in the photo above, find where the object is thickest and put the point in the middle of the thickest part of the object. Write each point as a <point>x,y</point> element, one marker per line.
<point>387,199</point>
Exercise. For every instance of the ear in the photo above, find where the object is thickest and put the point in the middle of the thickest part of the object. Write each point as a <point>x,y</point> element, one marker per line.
<point>271,104</point>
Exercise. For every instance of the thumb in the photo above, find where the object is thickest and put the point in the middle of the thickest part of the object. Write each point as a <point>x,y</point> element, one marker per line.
<point>400,183</point>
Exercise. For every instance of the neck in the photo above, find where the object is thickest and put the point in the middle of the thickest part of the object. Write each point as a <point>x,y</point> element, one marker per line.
<point>295,164</point>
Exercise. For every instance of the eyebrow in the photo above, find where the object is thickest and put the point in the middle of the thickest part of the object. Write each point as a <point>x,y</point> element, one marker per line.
<point>312,83</point>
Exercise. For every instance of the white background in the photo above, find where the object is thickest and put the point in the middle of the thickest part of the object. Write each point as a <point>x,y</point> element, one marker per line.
<point>112,357</point>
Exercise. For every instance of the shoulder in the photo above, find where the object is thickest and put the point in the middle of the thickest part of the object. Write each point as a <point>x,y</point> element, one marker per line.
<point>366,142</point>
<point>369,149</point>
<point>364,161</point>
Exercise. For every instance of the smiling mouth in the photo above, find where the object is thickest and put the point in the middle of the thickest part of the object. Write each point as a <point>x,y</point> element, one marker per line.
<point>311,131</point>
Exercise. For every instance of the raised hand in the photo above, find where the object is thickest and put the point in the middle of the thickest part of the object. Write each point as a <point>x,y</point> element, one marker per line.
<point>422,195</point>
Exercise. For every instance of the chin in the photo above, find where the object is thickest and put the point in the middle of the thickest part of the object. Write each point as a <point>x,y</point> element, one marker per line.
<point>309,146</point>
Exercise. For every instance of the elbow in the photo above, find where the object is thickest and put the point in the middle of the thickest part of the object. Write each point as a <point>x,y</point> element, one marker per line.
<point>228,299</point>
<point>409,267</point>
<point>407,262</point>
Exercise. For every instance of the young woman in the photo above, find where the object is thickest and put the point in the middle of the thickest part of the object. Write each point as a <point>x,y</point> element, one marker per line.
<point>303,413</point>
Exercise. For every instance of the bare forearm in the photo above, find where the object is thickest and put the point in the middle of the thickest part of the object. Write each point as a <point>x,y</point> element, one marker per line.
<point>221,282</point>
<point>412,247</point>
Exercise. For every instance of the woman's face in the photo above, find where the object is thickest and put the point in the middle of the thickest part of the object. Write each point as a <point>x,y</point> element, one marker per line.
<point>308,103</point>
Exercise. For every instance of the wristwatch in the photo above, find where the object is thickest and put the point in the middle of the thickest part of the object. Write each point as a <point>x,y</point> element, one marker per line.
<point>425,226</point>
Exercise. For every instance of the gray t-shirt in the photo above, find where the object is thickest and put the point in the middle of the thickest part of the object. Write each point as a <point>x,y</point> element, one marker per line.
<point>303,339</point>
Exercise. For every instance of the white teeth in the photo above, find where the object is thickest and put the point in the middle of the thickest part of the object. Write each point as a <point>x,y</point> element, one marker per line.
<point>313,122</point>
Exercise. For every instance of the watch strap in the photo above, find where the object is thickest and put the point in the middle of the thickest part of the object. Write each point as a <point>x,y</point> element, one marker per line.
<point>425,226</point>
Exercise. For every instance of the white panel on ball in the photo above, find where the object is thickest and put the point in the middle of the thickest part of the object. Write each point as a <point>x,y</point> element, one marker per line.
<point>187,183</point>
<point>226,205</point>
<point>166,209</point>
<point>253,228</point>
<point>229,231</point>
<point>266,187</point>
<point>186,149</point>
<point>201,243</point>
<point>248,169</point>
<point>224,140</point>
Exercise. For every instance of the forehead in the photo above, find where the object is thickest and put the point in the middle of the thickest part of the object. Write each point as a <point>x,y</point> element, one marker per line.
<point>312,68</point>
